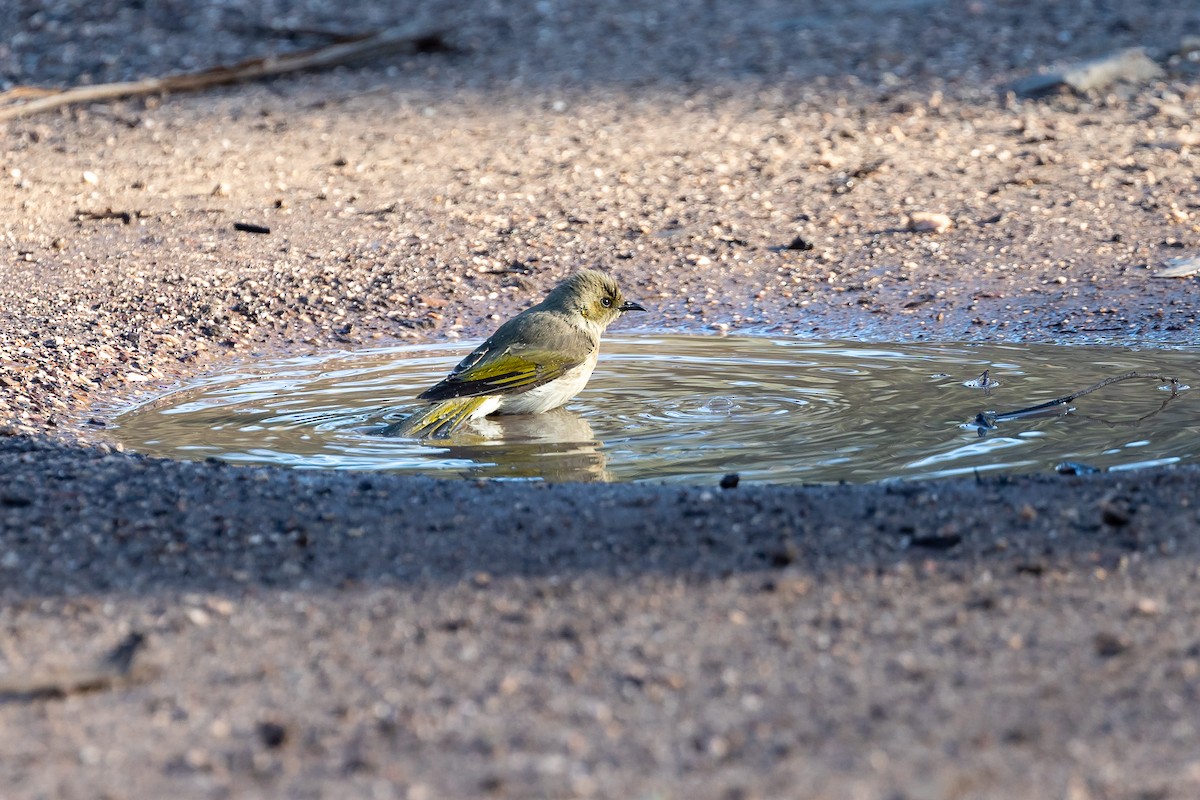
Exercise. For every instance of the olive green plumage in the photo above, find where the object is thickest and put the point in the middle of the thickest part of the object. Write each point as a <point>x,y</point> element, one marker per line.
<point>534,362</point>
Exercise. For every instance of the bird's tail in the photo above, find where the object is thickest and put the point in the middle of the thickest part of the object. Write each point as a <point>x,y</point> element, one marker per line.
<point>438,420</point>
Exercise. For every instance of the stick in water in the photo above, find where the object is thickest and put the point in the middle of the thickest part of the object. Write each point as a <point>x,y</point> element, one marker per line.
<point>987,420</point>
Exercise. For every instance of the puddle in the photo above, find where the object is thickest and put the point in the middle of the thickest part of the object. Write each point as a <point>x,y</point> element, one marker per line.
<point>689,409</point>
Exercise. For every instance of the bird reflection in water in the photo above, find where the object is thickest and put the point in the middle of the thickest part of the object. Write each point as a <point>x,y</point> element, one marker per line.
<point>556,446</point>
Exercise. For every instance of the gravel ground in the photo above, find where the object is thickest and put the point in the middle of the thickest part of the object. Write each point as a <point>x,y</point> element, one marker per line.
<point>742,168</point>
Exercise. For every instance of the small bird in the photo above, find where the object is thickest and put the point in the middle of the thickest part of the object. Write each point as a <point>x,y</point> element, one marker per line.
<point>536,361</point>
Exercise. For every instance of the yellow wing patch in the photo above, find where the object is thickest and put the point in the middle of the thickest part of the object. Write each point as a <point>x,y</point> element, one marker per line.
<point>436,421</point>
<point>504,372</point>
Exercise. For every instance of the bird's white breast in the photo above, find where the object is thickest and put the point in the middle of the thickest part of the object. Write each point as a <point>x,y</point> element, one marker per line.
<point>550,395</point>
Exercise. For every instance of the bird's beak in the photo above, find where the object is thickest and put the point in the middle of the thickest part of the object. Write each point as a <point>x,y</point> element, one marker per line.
<point>629,305</point>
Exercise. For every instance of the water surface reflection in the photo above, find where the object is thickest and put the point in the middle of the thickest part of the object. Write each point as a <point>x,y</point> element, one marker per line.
<point>692,408</point>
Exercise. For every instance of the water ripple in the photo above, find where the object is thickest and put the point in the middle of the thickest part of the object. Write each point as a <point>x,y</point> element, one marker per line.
<point>692,408</point>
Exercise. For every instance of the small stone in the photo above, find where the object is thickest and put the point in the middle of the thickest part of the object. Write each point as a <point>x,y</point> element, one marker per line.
<point>221,190</point>
<point>272,734</point>
<point>1147,607</point>
<point>220,605</point>
<point>198,617</point>
<point>784,555</point>
<point>928,222</point>
<point>1075,468</point>
<point>1109,644</point>
<point>1115,512</point>
<point>90,177</point>
<point>730,481</point>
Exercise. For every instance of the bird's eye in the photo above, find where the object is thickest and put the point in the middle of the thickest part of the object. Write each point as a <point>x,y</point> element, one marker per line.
<point>606,302</point>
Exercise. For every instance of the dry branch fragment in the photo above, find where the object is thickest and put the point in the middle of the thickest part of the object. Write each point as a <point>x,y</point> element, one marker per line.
<point>126,217</point>
<point>403,39</point>
<point>250,227</point>
<point>1180,268</point>
<point>114,669</point>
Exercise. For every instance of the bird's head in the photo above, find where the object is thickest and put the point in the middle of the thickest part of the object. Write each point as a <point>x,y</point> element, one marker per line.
<point>593,295</point>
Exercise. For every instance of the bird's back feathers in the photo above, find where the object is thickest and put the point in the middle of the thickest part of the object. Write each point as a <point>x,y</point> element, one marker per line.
<point>540,346</point>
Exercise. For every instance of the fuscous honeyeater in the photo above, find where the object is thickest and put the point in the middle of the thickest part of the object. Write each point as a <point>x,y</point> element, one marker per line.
<point>536,361</point>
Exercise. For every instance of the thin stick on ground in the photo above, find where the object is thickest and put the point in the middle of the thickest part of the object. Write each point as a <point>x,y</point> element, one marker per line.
<point>114,669</point>
<point>23,101</point>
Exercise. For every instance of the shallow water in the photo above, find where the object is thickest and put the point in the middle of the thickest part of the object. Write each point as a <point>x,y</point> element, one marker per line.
<point>690,409</point>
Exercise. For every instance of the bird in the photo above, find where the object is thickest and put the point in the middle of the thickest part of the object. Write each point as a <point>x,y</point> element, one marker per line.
<point>534,362</point>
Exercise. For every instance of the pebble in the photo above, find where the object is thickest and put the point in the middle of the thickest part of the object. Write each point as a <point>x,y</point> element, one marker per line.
<point>1147,607</point>
<point>1075,468</point>
<point>198,617</point>
<point>928,222</point>
<point>1115,512</point>
<point>272,734</point>
<point>1109,644</point>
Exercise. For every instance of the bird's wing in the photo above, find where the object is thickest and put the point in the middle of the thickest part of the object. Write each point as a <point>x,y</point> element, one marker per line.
<point>527,351</point>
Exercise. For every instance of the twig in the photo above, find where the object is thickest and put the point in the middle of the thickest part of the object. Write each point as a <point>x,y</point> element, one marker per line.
<point>986,420</point>
<point>371,45</point>
<point>114,669</point>
<point>293,32</point>
<point>126,217</point>
<point>390,208</point>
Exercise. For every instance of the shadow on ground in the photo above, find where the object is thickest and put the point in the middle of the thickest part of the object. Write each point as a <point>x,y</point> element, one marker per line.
<point>78,520</point>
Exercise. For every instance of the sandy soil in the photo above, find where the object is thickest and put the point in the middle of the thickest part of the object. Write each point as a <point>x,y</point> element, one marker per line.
<point>322,635</point>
